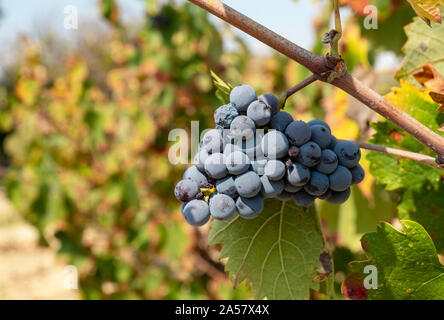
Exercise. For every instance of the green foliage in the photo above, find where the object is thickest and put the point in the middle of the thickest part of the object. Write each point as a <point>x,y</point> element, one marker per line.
<point>424,45</point>
<point>278,252</point>
<point>420,187</point>
<point>407,263</point>
<point>88,154</point>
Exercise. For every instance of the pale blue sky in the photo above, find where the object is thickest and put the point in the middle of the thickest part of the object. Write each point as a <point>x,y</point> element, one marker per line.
<point>292,20</point>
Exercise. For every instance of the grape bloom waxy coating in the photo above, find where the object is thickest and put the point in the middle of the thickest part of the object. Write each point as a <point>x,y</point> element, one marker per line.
<point>257,152</point>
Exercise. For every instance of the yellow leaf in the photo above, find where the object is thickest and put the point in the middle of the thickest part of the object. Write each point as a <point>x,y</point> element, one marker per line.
<point>428,10</point>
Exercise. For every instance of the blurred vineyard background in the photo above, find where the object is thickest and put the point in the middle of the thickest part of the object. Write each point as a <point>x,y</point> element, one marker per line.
<point>84,145</point>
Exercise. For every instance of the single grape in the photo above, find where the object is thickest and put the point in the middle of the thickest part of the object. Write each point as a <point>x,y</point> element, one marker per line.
<point>200,158</point>
<point>358,174</point>
<point>340,179</point>
<point>226,186</point>
<point>328,162</point>
<point>280,121</point>
<point>224,115</point>
<point>285,195</point>
<point>333,143</point>
<point>274,145</point>
<point>309,154</point>
<point>298,133</point>
<point>241,97</point>
<point>339,197</point>
<point>291,188</point>
<point>348,153</point>
<point>242,128</point>
<point>196,213</point>
<point>250,208</point>
<point>298,174</point>
<point>237,162</point>
<point>222,207</point>
<point>248,184</point>
<point>258,165</point>
<point>193,173</point>
<point>303,199</point>
<point>275,170</point>
<point>320,135</point>
<point>186,190</point>
<point>327,194</point>
<point>259,112</point>
<point>319,122</point>
<point>318,184</point>
<point>215,166</point>
<point>271,101</point>
<point>271,188</point>
<point>212,141</point>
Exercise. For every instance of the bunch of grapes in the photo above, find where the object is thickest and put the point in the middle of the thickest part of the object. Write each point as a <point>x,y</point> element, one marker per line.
<point>257,152</point>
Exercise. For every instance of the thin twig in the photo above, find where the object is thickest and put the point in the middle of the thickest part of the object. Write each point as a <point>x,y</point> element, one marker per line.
<point>401,153</point>
<point>301,85</point>
<point>318,65</point>
<point>338,27</point>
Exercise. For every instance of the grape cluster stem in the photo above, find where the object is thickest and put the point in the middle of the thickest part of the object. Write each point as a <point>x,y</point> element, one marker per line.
<point>317,64</point>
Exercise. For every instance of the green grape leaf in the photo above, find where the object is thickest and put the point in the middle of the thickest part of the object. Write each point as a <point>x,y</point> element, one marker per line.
<point>407,263</point>
<point>419,186</point>
<point>424,45</point>
<point>279,253</point>
<point>223,88</point>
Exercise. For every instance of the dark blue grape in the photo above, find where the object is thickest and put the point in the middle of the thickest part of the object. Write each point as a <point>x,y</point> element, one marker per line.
<point>275,170</point>
<point>241,97</point>
<point>194,174</point>
<point>196,212</point>
<point>250,208</point>
<point>318,184</point>
<point>186,190</point>
<point>309,154</point>
<point>280,121</point>
<point>320,135</point>
<point>226,186</point>
<point>237,163</point>
<point>333,143</point>
<point>212,141</point>
<point>348,153</point>
<point>358,174</point>
<point>319,122</point>
<point>303,199</point>
<point>271,188</point>
<point>259,112</point>
<point>298,133</point>
<point>200,158</point>
<point>298,174</point>
<point>215,166</point>
<point>270,101</point>
<point>224,115</point>
<point>222,207</point>
<point>339,197</point>
<point>274,145</point>
<point>242,128</point>
<point>340,179</point>
<point>328,162</point>
<point>248,184</point>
